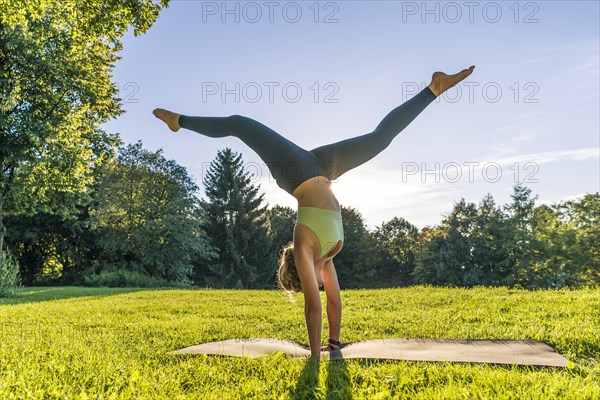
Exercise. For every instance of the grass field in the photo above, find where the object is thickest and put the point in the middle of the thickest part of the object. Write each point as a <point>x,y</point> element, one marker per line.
<point>83,343</point>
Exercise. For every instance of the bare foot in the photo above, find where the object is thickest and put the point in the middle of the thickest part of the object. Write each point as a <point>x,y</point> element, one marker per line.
<point>168,117</point>
<point>440,82</point>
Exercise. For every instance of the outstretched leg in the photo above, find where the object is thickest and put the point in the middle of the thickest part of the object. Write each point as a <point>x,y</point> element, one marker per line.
<point>337,158</point>
<point>289,164</point>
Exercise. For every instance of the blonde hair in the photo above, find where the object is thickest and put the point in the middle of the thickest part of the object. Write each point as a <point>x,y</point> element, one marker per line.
<point>287,275</point>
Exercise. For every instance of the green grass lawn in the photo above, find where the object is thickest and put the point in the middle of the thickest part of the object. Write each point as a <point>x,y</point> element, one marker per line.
<point>63,343</point>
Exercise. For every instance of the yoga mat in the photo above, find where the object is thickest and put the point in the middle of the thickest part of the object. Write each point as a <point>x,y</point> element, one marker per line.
<point>518,352</point>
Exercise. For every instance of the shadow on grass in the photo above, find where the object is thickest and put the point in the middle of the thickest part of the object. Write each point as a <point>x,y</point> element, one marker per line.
<point>338,380</point>
<point>338,384</point>
<point>308,382</point>
<point>36,294</point>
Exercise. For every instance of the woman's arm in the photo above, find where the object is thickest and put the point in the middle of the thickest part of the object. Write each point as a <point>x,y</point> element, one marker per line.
<point>312,299</point>
<point>334,300</point>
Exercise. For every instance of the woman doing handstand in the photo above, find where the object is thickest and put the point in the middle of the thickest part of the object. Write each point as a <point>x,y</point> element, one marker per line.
<point>307,262</point>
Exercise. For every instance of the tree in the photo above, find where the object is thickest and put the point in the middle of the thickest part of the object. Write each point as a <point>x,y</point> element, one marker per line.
<point>397,241</point>
<point>145,212</point>
<point>281,221</point>
<point>281,225</point>
<point>429,266</point>
<point>359,262</point>
<point>583,217</point>
<point>9,279</point>
<point>587,211</point>
<point>56,59</point>
<point>544,246</point>
<point>47,246</point>
<point>459,246</point>
<point>560,257</point>
<point>448,257</point>
<point>236,223</point>
<point>523,244</point>
<point>491,241</point>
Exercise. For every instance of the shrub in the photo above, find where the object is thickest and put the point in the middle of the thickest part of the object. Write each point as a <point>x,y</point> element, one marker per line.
<point>125,278</point>
<point>9,276</point>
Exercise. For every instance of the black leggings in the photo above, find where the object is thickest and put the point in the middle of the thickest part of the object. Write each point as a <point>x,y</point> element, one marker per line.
<point>290,164</point>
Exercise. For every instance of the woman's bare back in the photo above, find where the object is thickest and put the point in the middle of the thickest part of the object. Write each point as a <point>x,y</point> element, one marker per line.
<point>316,192</point>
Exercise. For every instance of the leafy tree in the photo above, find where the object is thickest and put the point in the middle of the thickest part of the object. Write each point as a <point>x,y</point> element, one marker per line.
<point>281,221</point>
<point>56,59</point>
<point>398,241</point>
<point>359,262</point>
<point>583,216</point>
<point>145,214</point>
<point>448,257</point>
<point>429,268</point>
<point>544,246</point>
<point>47,247</point>
<point>236,223</point>
<point>281,225</point>
<point>560,255</point>
<point>9,277</point>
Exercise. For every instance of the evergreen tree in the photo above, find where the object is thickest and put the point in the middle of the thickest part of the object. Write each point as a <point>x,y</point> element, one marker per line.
<point>459,246</point>
<point>523,246</point>
<point>491,241</point>
<point>236,223</point>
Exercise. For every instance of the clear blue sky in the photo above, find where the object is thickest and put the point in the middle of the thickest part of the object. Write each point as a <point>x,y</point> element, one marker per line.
<point>320,72</point>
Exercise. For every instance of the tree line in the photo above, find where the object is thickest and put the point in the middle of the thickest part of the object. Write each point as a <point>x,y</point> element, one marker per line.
<point>79,207</point>
<point>142,224</point>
